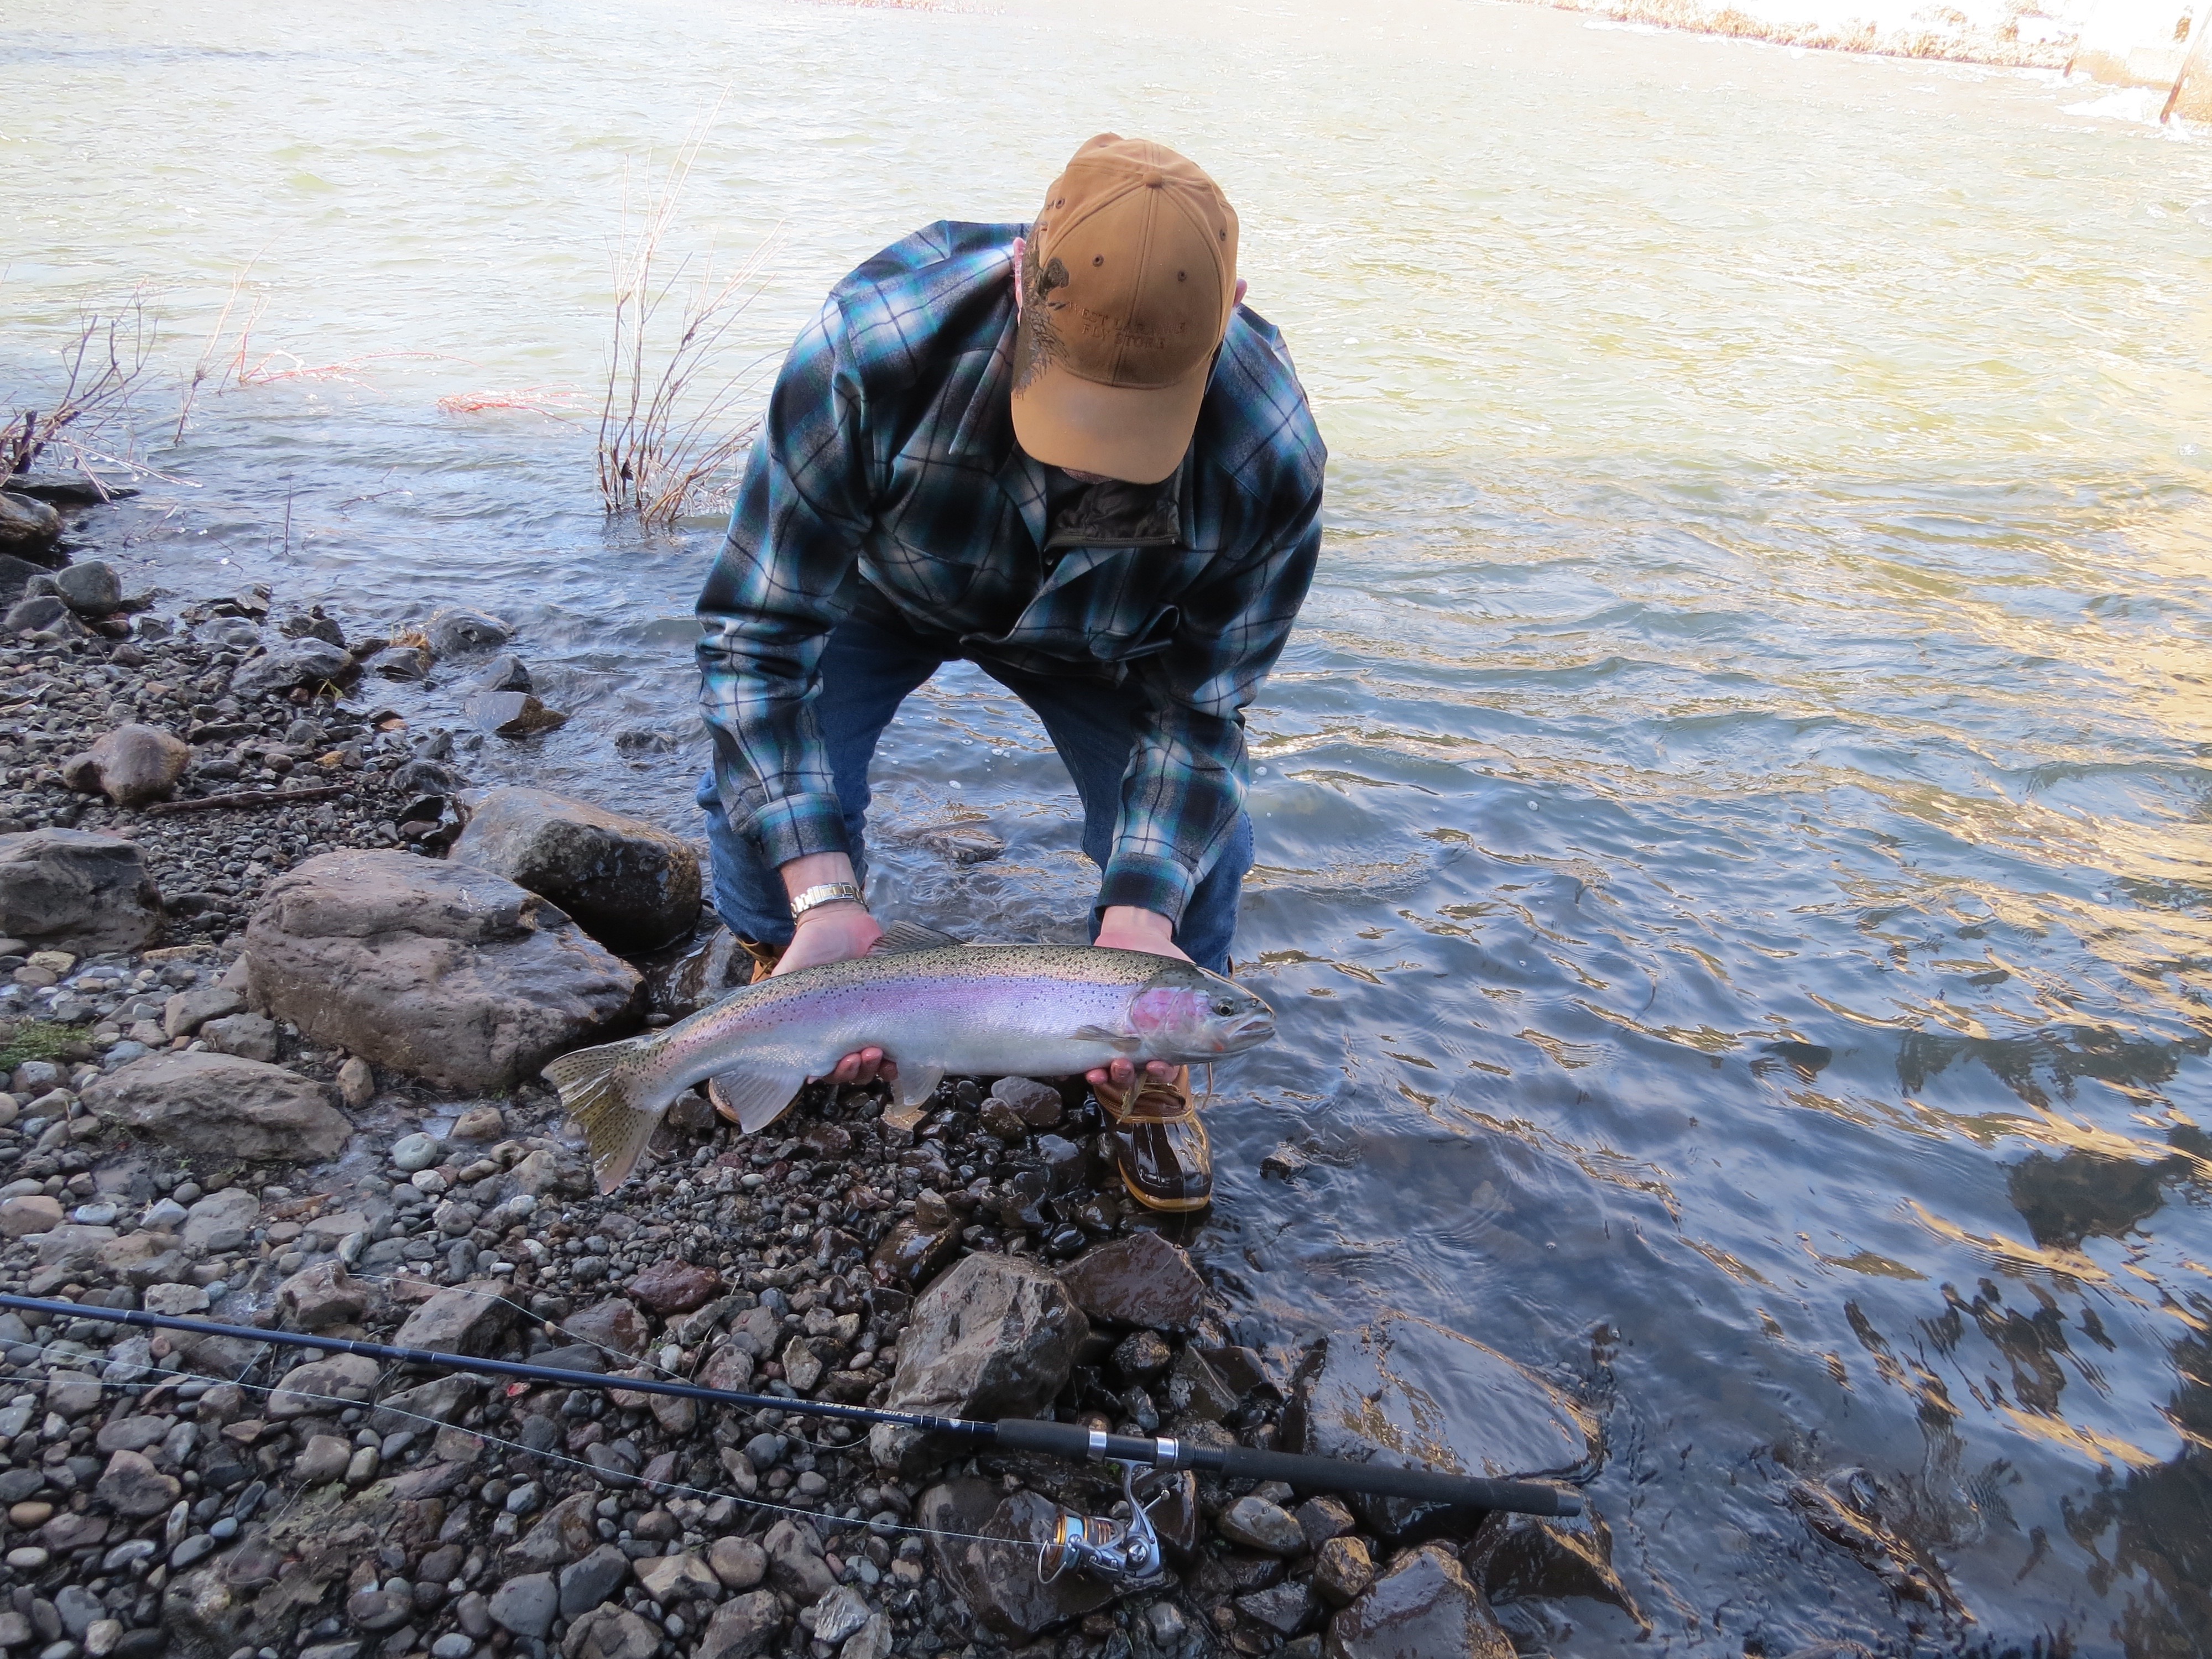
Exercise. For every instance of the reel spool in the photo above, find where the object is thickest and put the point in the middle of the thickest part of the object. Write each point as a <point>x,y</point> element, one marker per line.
<point>1124,1553</point>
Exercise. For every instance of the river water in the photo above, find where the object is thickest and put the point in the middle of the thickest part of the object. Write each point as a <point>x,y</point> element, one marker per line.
<point>1732,824</point>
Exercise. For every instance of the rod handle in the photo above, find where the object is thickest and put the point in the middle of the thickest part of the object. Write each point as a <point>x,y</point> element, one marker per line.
<point>1387,1481</point>
<point>1077,1443</point>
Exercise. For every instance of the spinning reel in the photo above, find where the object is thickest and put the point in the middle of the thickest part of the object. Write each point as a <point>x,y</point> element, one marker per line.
<point>1125,1553</point>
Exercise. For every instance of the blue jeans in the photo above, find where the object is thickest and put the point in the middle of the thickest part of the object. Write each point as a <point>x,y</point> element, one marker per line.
<point>868,667</point>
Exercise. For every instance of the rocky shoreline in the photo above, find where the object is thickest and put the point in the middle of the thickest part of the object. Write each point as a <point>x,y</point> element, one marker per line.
<point>1945,35</point>
<point>274,991</point>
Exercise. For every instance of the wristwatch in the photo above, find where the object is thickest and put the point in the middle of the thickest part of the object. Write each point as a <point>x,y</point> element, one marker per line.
<point>830,892</point>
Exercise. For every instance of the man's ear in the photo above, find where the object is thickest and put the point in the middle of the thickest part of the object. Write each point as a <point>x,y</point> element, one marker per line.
<point>1021,247</point>
<point>1241,285</point>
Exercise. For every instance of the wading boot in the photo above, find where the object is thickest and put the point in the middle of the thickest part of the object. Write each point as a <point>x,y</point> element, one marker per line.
<point>1159,1145</point>
<point>765,957</point>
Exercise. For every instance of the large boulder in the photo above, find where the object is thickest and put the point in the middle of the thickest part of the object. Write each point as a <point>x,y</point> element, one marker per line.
<point>90,589</point>
<point>631,885</point>
<point>467,1319</point>
<point>311,663</point>
<point>443,970</point>
<point>223,1105</point>
<point>29,529</point>
<point>76,892</point>
<point>131,765</point>
<point>994,1337</point>
<point>457,631</point>
<point>74,489</point>
<point>1472,1411</point>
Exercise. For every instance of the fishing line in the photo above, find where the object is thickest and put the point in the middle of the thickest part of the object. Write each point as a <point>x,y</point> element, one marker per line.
<point>877,1528</point>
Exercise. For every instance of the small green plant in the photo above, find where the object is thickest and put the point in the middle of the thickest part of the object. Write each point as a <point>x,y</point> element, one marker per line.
<point>42,1039</point>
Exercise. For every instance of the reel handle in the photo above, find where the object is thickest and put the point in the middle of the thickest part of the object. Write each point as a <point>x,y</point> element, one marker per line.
<point>1072,1440</point>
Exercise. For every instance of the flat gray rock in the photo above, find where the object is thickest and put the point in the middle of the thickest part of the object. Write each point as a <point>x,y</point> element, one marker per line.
<point>311,663</point>
<point>74,890</point>
<point>222,1104</point>
<point>440,970</point>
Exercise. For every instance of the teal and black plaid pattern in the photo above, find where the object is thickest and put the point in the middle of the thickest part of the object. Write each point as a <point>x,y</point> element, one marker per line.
<point>886,470</point>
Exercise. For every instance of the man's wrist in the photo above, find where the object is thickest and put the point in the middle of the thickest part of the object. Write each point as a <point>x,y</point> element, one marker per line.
<point>823,896</point>
<point>830,910</point>
<point>1130,919</point>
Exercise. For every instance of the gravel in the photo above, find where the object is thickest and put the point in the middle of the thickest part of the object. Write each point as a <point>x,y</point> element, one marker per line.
<point>149,1482</point>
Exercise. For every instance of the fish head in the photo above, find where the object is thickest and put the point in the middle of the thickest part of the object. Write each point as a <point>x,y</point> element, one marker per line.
<point>1185,1013</point>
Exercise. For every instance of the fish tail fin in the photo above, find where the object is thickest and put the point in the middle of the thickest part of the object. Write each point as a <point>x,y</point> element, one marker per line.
<point>599,1089</point>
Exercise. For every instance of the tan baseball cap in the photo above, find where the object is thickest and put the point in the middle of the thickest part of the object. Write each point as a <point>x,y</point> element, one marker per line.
<point>1127,284</point>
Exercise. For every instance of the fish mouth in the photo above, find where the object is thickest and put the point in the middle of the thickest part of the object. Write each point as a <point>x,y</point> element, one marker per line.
<point>1251,1030</point>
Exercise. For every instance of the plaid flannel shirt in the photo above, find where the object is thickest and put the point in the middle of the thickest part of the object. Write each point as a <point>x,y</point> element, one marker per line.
<point>886,472</point>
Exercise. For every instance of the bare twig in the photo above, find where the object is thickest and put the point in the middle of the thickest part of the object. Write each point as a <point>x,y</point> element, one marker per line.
<point>204,368</point>
<point>673,417</point>
<point>249,797</point>
<point>100,369</point>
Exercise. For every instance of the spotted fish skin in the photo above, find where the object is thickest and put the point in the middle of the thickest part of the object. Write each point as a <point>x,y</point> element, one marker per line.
<point>987,1009</point>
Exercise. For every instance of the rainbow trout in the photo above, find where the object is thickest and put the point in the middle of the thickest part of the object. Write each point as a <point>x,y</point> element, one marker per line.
<point>985,1010</point>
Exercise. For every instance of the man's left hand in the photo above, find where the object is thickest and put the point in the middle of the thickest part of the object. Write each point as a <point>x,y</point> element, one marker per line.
<point>1126,927</point>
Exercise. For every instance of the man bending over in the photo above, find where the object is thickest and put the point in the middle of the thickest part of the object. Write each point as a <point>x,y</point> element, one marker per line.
<point>1065,453</point>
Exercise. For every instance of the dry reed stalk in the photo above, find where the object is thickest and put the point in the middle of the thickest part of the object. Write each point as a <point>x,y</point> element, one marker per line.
<point>349,370</point>
<point>204,369</point>
<point>102,368</point>
<point>553,402</point>
<point>671,419</point>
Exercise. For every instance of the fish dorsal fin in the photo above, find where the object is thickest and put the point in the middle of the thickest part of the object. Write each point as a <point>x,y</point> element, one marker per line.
<point>903,936</point>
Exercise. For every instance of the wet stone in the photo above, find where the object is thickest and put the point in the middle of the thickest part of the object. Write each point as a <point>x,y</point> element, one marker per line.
<point>1472,1411</point>
<point>1423,1605</point>
<point>1037,1104</point>
<point>1257,1524</point>
<point>994,1337</point>
<point>1001,1585</point>
<point>1142,1355</point>
<point>1285,1608</point>
<point>1525,1556</point>
<point>1342,1569</point>
<point>1321,1519</point>
<point>1141,1279</point>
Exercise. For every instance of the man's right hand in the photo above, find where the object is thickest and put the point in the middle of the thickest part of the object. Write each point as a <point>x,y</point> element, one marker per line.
<point>838,932</point>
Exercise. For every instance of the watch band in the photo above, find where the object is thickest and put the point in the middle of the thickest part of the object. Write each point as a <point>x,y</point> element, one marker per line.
<point>830,892</point>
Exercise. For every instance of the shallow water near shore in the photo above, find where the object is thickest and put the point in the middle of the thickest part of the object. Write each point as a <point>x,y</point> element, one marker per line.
<point>1732,824</point>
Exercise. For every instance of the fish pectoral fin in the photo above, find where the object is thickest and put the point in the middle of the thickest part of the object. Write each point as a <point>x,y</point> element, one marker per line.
<point>1126,1042</point>
<point>916,1083</point>
<point>903,936</point>
<point>758,1097</point>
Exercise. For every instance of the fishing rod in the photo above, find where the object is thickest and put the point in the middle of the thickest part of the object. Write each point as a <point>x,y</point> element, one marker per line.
<point>1107,1546</point>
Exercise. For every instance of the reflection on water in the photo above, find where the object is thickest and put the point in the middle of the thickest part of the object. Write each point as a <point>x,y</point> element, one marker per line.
<point>1733,863</point>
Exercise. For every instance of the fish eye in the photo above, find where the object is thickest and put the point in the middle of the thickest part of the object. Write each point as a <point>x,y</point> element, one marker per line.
<point>1223,1005</point>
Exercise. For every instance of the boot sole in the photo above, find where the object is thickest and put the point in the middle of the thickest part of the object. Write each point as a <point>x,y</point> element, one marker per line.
<point>1165,1206</point>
